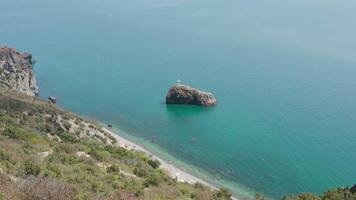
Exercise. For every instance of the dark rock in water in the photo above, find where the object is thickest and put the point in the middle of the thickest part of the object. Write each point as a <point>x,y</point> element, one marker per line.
<point>183,94</point>
<point>353,189</point>
<point>52,99</point>
<point>109,125</point>
<point>16,71</point>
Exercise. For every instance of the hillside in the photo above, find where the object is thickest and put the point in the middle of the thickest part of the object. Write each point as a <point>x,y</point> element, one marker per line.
<point>41,144</point>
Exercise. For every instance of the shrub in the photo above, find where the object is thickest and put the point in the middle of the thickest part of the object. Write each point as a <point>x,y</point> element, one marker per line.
<point>133,188</point>
<point>4,156</point>
<point>67,125</point>
<point>117,152</point>
<point>151,179</point>
<point>140,171</point>
<point>67,147</point>
<point>113,169</point>
<point>52,171</point>
<point>19,134</point>
<point>97,154</point>
<point>67,137</point>
<point>31,168</point>
<point>27,148</point>
<point>154,163</point>
<point>14,132</point>
<point>222,194</point>
<point>304,196</point>
<point>199,186</point>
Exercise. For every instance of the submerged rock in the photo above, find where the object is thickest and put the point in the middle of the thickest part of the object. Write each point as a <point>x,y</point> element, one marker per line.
<point>16,71</point>
<point>184,94</point>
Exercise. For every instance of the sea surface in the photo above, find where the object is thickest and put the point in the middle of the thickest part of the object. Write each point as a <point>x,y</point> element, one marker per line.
<point>284,74</point>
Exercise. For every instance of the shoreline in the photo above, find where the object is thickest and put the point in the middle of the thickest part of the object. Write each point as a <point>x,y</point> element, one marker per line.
<point>171,169</point>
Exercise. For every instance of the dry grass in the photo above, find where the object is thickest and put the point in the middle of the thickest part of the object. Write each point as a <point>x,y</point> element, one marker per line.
<point>42,188</point>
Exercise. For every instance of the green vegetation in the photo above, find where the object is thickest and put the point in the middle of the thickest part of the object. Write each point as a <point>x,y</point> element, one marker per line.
<point>43,156</point>
<point>333,194</point>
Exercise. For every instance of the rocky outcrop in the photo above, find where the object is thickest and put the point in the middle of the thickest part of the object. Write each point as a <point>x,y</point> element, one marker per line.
<point>183,94</point>
<point>16,71</point>
<point>353,189</point>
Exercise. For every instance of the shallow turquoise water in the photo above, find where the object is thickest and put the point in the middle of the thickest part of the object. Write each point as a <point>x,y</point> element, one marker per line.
<point>283,72</point>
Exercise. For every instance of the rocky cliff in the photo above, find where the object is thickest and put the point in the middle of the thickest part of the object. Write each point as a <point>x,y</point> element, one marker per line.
<point>183,94</point>
<point>16,71</point>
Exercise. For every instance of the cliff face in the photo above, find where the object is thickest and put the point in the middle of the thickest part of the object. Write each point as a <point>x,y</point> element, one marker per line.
<point>183,94</point>
<point>16,71</point>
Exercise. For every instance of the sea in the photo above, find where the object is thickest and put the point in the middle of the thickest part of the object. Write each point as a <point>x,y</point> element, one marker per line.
<point>283,72</point>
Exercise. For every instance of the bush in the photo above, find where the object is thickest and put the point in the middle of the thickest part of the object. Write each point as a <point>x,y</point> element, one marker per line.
<point>222,194</point>
<point>13,132</point>
<point>68,159</point>
<point>151,179</point>
<point>133,188</point>
<point>67,137</point>
<point>140,171</point>
<point>4,156</point>
<point>199,186</point>
<point>67,148</point>
<point>30,168</point>
<point>19,134</point>
<point>304,196</point>
<point>67,125</point>
<point>117,152</point>
<point>113,169</point>
<point>97,154</point>
<point>154,163</point>
<point>52,171</point>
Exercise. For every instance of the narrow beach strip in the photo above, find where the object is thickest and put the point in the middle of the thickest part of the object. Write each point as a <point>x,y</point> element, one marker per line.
<point>174,171</point>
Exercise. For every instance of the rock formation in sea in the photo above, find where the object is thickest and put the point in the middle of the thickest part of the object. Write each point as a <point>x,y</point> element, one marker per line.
<point>184,94</point>
<point>16,71</point>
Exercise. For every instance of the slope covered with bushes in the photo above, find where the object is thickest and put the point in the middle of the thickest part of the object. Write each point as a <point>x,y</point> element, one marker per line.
<point>48,153</point>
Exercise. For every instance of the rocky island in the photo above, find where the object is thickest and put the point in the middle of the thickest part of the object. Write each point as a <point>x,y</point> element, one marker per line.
<point>184,94</point>
<point>16,71</point>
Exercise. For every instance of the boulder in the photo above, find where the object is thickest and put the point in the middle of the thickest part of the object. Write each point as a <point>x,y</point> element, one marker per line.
<point>184,94</point>
<point>52,99</point>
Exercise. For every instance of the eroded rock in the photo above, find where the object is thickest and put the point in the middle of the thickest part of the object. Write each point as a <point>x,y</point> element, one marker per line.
<point>184,94</point>
<point>16,71</point>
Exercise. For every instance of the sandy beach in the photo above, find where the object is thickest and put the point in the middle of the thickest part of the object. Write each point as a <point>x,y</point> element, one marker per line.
<point>172,170</point>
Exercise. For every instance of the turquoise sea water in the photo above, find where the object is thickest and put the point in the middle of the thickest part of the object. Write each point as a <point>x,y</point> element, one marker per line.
<point>284,73</point>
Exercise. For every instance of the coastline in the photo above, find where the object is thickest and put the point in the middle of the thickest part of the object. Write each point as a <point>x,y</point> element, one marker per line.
<point>171,169</point>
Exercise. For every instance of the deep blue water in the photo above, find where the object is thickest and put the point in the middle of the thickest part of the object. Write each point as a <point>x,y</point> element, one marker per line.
<point>283,72</point>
